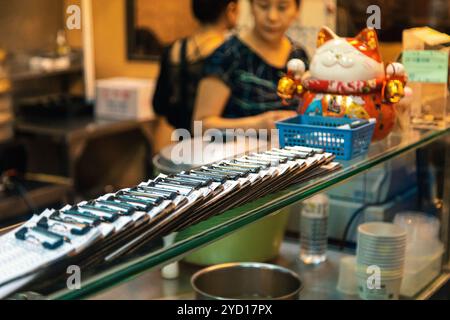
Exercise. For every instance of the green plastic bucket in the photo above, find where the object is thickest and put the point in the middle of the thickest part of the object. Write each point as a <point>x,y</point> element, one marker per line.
<point>258,242</point>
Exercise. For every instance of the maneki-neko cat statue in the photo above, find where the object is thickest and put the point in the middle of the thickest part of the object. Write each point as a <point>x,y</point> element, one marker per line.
<point>347,78</point>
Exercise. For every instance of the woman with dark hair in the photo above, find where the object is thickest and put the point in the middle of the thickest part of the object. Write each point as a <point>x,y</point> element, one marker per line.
<point>243,73</point>
<point>182,66</point>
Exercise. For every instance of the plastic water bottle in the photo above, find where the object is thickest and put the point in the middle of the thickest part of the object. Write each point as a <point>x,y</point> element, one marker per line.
<point>313,229</point>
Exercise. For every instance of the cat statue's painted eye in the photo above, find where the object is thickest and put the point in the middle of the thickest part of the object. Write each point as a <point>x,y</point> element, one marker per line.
<point>346,61</point>
<point>329,59</point>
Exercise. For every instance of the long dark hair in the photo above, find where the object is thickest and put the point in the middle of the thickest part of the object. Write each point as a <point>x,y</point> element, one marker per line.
<point>209,11</point>
<point>297,2</point>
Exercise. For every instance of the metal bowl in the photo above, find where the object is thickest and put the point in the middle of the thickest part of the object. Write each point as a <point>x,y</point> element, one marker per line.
<point>246,281</point>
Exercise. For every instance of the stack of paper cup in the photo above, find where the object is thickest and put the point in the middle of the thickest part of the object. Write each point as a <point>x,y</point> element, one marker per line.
<point>380,258</point>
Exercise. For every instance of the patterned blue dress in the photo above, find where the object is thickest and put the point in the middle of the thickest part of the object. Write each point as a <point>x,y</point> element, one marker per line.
<point>252,81</point>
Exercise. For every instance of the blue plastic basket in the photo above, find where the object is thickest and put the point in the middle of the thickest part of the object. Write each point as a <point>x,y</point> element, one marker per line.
<point>321,132</point>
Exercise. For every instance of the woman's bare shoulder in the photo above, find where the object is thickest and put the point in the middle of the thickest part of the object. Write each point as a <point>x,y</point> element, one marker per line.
<point>191,54</point>
<point>175,52</point>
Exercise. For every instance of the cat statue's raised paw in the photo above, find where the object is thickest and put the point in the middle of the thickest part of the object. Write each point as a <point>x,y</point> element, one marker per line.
<point>347,78</point>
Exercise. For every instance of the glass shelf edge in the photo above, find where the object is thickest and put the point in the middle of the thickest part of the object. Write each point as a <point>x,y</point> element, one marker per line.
<point>134,268</point>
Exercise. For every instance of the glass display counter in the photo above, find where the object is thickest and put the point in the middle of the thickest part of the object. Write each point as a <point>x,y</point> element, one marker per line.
<point>97,280</point>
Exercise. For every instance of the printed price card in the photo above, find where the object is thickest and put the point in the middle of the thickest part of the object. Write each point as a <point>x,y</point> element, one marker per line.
<point>426,65</point>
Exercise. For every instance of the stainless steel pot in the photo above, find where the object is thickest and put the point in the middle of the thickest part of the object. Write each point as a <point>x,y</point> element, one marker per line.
<point>246,281</point>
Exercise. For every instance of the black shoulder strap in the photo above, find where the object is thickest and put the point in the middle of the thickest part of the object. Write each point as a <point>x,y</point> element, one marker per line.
<point>163,90</point>
<point>184,76</point>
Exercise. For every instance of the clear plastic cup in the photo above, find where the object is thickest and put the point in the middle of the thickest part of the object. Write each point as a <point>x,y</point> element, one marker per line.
<point>422,232</point>
<point>423,250</point>
<point>418,226</point>
<point>348,281</point>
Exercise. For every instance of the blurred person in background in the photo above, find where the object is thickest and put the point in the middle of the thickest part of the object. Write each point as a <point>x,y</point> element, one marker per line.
<point>239,89</point>
<point>182,66</point>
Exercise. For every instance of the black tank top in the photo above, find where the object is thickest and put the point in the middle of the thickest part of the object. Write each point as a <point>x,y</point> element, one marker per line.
<point>176,89</point>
